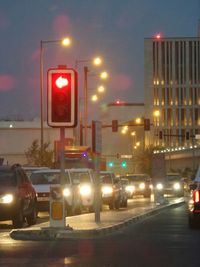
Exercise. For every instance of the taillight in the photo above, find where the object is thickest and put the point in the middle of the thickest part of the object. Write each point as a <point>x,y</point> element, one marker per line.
<point>196,196</point>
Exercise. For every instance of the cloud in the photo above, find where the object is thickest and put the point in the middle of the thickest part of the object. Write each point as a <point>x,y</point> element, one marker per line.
<point>61,24</point>
<point>121,82</point>
<point>7,82</point>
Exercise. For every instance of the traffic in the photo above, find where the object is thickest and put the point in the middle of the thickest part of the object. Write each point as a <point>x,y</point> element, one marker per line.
<point>26,191</point>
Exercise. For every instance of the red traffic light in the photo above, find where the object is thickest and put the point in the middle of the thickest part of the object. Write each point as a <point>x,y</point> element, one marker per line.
<point>62,98</point>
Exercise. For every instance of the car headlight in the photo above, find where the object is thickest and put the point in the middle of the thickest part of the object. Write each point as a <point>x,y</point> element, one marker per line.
<point>66,192</point>
<point>159,186</point>
<point>130,188</point>
<point>85,190</point>
<point>107,190</point>
<point>177,186</point>
<point>142,186</point>
<point>8,198</point>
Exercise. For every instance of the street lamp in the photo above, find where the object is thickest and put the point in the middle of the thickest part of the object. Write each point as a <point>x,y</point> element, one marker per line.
<point>96,61</point>
<point>64,42</point>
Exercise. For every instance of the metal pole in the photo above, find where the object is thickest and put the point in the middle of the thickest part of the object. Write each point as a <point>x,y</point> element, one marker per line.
<point>41,102</point>
<point>62,170</point>
<point>85,104</point>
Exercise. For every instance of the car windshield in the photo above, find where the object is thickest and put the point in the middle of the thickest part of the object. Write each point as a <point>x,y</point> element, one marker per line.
<point>106,178</point>
<point>173,177</point>
<point>48,178</point>
<point>83,177</point>
<point>7,178</point>
<point>137,178</point>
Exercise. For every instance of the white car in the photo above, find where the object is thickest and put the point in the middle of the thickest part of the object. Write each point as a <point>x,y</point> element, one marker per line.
<point>42,181</point>
<point>86,186</point>
<point>29,169</point>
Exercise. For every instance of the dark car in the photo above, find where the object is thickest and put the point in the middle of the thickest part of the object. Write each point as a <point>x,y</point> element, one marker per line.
<point>174,185</point>
<point>194,208</point>
<point>17,196</point>
<point>142,184</point>
<point>113,193</point>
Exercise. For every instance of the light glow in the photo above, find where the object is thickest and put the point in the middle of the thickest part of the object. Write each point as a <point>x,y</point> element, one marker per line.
<point>66,192</point>
<point>107,190</point>
<point>8,198</point>
<point>85,190</point>
<point>61,82</point>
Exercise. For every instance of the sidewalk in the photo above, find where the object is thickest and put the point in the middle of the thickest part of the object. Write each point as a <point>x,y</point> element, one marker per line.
<point>84,226</point>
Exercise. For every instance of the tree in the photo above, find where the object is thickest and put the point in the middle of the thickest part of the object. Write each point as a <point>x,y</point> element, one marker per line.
<point>33,155</point>
<point>143,159</point>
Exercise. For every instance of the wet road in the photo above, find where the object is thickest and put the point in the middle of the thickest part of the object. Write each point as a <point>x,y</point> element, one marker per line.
<point>160,240</point>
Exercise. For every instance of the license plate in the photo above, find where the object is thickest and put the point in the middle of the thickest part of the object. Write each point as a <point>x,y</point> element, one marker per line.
<point>43,199</point>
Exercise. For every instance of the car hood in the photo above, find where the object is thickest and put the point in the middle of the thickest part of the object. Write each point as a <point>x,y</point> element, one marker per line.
<point>7,189</point>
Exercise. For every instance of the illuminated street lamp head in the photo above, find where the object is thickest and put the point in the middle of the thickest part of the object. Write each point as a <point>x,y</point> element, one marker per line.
<point>97,61</point>
<point>101,89</point>
<point>66,41</point>
<point>94,98</point>
<point>104,75</point>
<point>156,113</point>
<point>138,120</point>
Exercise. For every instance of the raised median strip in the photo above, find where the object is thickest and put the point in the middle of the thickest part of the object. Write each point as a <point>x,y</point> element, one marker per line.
<point>48,233</point>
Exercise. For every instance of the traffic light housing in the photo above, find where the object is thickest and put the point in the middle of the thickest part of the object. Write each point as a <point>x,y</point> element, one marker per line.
<point>147,124</point>
<point>62,97</point>
<point>114,125</point>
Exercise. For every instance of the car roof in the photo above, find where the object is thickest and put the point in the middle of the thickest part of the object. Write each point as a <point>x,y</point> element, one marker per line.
<point>47,171</point>
<point>79,169</point>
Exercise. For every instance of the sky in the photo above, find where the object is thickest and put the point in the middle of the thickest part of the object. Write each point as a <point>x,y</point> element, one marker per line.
<point>112,29</point>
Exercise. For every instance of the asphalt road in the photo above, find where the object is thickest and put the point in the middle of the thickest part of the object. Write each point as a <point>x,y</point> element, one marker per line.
<point>161,240</point>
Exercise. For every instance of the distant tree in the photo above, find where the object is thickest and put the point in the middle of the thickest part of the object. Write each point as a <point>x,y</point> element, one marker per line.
<point>143,159</point>
<point>33,155</point>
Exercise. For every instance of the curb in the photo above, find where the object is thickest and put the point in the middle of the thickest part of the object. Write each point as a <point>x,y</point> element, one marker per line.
<point>46,234</point>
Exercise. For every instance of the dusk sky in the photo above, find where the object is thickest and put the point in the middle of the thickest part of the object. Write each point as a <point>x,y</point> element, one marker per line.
<point>113,29</point>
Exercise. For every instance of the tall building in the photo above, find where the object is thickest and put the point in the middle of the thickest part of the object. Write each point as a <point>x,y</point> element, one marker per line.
<point>172,90</point>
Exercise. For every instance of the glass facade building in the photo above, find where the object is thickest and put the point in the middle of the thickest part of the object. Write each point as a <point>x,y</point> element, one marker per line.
<point>172,90</point>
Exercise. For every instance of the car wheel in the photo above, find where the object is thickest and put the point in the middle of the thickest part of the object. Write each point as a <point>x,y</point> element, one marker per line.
<point>18,219</point>
<point>117,204</point>
<point>111,205</point>
<point>32,217</point>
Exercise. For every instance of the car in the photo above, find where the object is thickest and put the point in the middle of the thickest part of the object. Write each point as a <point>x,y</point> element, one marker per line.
<point>29,169</point>
<point>113,192</point>
<point>18,199</point>
<point>85,176</point>
<point>194,207</point>
<point>42,181</point>
<point>174,185</point>
<point>129,188</point>
<point>141,183</point>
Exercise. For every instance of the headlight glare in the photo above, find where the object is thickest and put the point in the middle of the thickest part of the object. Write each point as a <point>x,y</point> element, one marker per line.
<point>130,188</point>
<point>85,190</point>
<point>8,198</point>
<point>66,192</point>
<point>159,186</point>
<point>142,186</point>
<point>177,186</point>
<point>107,190</point>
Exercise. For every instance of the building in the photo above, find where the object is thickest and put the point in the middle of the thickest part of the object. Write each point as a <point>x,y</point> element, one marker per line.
<point>172,88</point>
<point>172,91</point>
<point>17,136</point>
